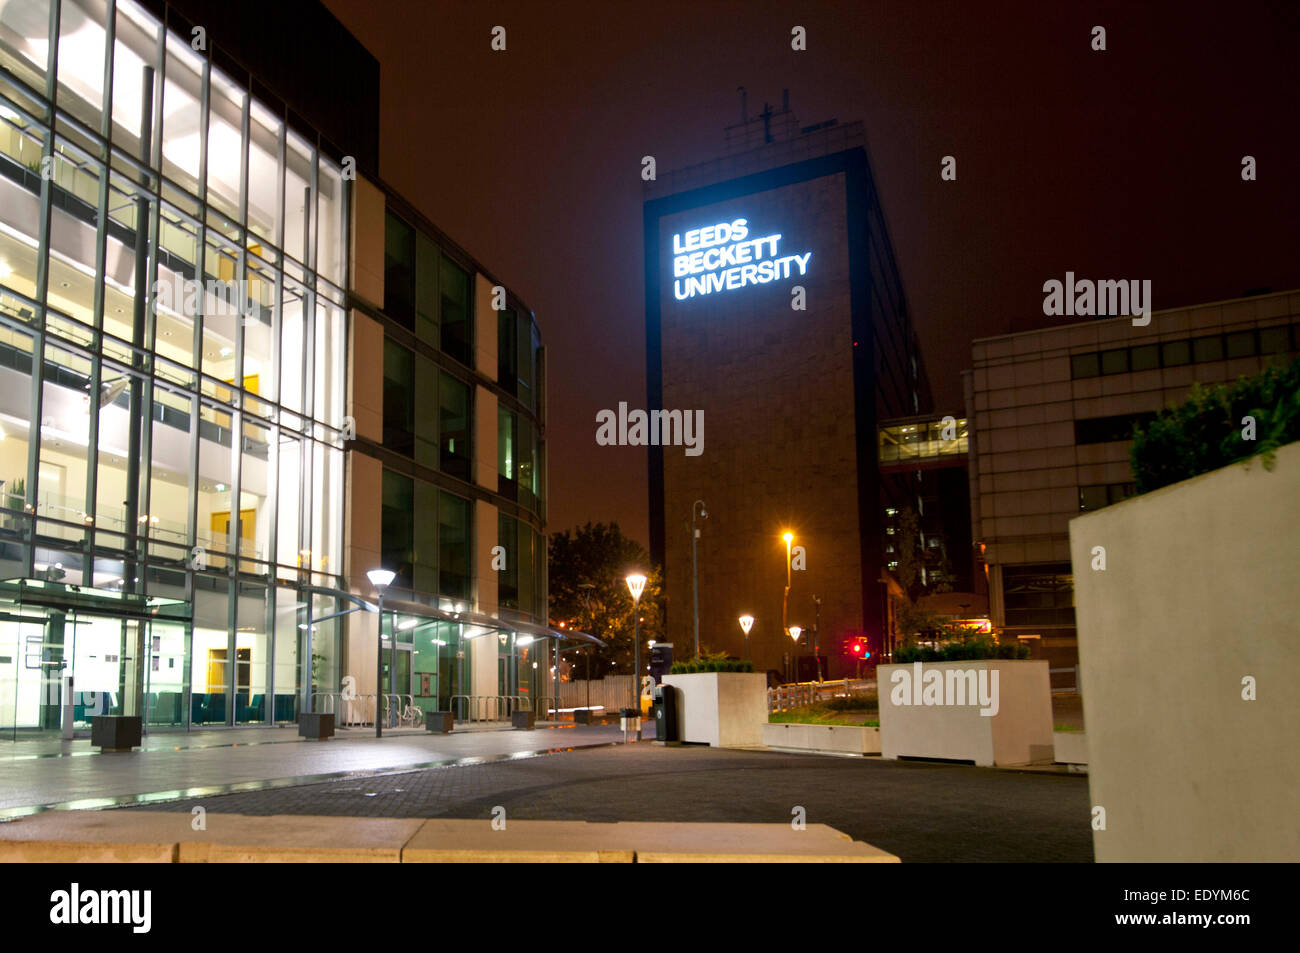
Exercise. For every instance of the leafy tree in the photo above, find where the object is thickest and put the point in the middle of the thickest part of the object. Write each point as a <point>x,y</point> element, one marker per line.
<point>588,592</point>
<point>1205,432</point>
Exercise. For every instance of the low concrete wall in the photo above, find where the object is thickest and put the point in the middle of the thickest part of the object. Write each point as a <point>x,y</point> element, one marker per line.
<point>1198,594</point>
<point>1019,732</point>
<point>1071,747</point>
<point>839,739</point>
<point>723,709</point>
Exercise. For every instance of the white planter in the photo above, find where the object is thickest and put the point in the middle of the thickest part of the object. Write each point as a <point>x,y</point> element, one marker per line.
<point>1071,747</point>
<point>837,739</point>
<point>723,709</point>
<point>948,722</point>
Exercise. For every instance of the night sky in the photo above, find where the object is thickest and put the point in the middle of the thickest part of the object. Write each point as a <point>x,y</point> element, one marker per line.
<point>1117,164</point>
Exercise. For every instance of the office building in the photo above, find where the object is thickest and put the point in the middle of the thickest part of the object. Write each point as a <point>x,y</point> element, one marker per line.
<point>775,308</point>
<point>236,373</point>
<point>1052,412</point>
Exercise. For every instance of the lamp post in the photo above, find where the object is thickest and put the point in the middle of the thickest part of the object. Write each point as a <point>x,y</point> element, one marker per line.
<point>785,602</point>
<point>695,571</point>
<point>381,579</point>
<point>817,620</point>
<point>636,585</point>
<point>795,632</point>
<point>746,623</point>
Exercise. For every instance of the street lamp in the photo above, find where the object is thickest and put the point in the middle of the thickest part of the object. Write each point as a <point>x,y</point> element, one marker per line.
<point>636,585</point>
<point>695,572</point>
<point>785,603</point>
<point>746,623</point>
<point>381,579</point>
<point>795,632</point>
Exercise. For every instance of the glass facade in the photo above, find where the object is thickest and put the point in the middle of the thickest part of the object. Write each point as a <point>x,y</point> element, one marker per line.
<point>172,369</point>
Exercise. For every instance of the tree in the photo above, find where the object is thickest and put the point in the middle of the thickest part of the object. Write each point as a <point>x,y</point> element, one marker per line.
<point>909,618</point>
<point>588,568</point>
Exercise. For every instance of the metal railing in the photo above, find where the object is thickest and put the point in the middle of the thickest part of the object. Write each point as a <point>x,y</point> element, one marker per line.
<point>800,694</point>
<point>1065,689</point>
<point>544,705</point>
<point>397,710</point>
<point>474,708</point>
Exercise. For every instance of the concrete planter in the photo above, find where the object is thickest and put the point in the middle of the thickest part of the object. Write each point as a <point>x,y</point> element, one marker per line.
<point>1071,747</point>
<point>933,710</point>
<point>439,722</point>
<point>723,709</point>
<point>316,726</point>
<point>834,739</point>
<point>115,732</point>
<point>524,720</point>
<point>1189,663</point>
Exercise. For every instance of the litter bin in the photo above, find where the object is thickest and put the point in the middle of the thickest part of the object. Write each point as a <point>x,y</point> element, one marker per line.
<point>630,722</point>
<point>665,712</point>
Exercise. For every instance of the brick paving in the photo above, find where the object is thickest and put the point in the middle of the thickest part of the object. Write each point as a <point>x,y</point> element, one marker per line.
<point>919,811</point>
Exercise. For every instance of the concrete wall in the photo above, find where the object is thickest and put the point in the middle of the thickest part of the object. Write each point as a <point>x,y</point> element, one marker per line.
<point>1199,592</point>
<point>367,242</point>
<point>722,709</point>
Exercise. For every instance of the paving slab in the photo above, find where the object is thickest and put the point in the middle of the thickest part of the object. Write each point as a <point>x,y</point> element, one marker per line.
<point>94,837</point>
<point>279,838</point>
<point>660,843</point>
<point>446,840</point>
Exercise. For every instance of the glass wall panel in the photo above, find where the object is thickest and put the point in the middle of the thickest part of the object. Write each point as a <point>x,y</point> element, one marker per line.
<point>252,661</point>
<point>426,421</point>
<point>293,353</point>
<point>287,673</point>
<point>82,41</point>
<point>299,161</point>
<point>256,500</point>
<point>216,479</point>
<point>425,529</point>
<point>135,46</point>
<point>326,508</point>
<point>122,397</point>
<point>454,554</point>
<point>399,271</point>
<point>164,675</point>
<point>15,422</point>
<point>265,141</point>
<point>210,662</point>
<point>399,398</point>
<point>426,290</point>
<point>290,550</point>
<point>259,321</point>
<point>454,427</point>
<point>455,317</point>
<point>508,578</point>
<point>25,43</point>
<point>171,449</point>
<point>225,144</point>
<point>182,142</point>
<point>65,435</point>
<point>396,539</point>
<point>507,351</point>
<point>330,248</point>
<point>176,298</point>
<point>329,363</point>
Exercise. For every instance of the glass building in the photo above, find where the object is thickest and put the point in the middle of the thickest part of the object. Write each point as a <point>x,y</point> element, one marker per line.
<point>191,463</point>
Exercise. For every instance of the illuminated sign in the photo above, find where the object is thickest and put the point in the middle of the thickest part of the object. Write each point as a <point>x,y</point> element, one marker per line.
<point>724,257</point>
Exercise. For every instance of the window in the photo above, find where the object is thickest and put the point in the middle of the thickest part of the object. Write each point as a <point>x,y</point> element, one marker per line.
<point>1114,362</point>
<point>399,271</point>
<point>507,351</point>
<point>396,539</point>
<point>1175,353</point>
<point>1100,495</point>
<point>453,427</point>
<point>508,578</point>
<point>1273,340</point>
<point>453,546</point>
<point>506,462</point>
<point>399,398</point>
<point>1084,365</point>
<point>1038,595</point>
<point>1241,344</point>
<point>1144,358</point>
<point>455,318</point>
<point>1207,349</point>
<point>1105,429</point>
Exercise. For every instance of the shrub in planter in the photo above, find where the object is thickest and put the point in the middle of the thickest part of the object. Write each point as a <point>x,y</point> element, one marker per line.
<point>711,662</point>
<point>970,650</point>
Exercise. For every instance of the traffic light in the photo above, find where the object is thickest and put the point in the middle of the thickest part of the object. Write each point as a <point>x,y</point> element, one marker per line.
<point>858,648</point>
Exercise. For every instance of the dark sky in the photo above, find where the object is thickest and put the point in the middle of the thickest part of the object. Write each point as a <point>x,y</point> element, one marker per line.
<point>1117,164</point>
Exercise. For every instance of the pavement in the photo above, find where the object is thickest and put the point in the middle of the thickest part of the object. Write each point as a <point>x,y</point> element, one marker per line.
<point>918,811</point>
<point>72,775</point>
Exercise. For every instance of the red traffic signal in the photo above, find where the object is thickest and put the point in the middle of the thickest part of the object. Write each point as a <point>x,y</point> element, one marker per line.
<point>858,648</point>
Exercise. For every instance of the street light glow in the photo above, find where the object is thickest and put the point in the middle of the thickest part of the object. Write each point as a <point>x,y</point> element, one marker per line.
<point>636,585</point>
<point>381,579</point>
<point>795,632</point>
<point>746,623</point>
